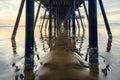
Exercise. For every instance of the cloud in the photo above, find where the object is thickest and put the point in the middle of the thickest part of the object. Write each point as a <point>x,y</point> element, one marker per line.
<point>8,10</point>
<point>8,7</point>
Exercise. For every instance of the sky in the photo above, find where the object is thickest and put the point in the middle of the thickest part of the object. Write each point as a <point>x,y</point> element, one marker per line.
<point>9,11</point>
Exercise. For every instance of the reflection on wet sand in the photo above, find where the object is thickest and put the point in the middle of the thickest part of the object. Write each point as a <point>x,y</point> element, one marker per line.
<point>64,63</point>
<point>43,43</point>
<point>109,44</point>
<point>14,46</point>
<point>28,72</point>
<point>82,41</point>
<point>107,59</point>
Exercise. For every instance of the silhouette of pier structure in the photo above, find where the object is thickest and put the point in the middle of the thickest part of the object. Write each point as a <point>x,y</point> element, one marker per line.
<point>62,12</point>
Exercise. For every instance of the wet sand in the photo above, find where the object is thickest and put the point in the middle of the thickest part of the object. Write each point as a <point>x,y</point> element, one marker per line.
<point>58,61</point>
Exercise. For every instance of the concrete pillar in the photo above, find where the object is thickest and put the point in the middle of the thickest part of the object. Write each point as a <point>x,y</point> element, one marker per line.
<point>29,34</point>
<point>43,20</point>
<point>50,17</point>
<point>73,17</point>
<point>28,72</point>
<point>55,20</point>
<point>38,10</point>
<point>93,39</point>
<point>81,20</point>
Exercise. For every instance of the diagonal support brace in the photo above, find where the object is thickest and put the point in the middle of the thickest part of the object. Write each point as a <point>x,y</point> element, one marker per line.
<point>105,19</point>
<point>18,19</point>
<point>38,10</point>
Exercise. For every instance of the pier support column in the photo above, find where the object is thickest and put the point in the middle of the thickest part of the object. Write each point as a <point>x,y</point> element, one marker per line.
<point>81,20</point>
<point>43,21</point>
<point>38,10</point>
<point>46,24</point>
<point>73,17</point>
<point>69,20</point>
<point>28,72</point>
<point>18,19</point>
<point>29,35</point>
<point>50,18</point>
<point>58,23</point>
<point>78,24</point>
<point>84,5</point>
<point>93,40</point>
<point>69,23</point>
<point>55,20</point>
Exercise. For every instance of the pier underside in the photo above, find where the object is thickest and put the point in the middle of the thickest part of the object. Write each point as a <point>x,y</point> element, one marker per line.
<point>60,3</point>
<point>64,7</point>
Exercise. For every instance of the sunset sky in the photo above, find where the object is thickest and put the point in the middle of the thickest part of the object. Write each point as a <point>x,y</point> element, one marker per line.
<point>9,10</point>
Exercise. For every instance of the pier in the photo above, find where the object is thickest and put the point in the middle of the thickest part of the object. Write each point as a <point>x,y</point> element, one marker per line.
<point>62,17</point>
